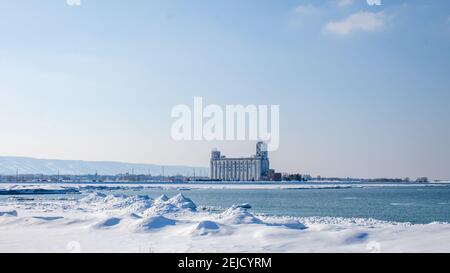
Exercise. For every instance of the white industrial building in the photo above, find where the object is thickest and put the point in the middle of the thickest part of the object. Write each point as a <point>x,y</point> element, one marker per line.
<point>255,168</point>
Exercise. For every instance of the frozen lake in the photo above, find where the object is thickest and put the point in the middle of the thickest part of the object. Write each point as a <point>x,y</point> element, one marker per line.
<point>306,217</point>
<point>414,203</point>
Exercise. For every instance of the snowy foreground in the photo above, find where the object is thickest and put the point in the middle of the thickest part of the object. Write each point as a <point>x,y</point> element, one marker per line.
<point>118,223</point>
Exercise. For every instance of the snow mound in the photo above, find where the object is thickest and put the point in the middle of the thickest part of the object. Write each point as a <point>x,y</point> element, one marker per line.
<point>162,198</point>
<point>48,219</point>
<point>291,223</point>
<point>137,203</point>
<point>350,222</point>
<point>245,206</point>
<point>123,203</point>
<point>172,205</point>
<point>131,215</point>
<point>160,209</point>
<point>357,237</point>
<point>94,197</point>
<point>108,223</point>
<point>237,215</point>
<point>36,190</point>
<point>182,202</point>
<point>11,213</point>
<point>112,199</point>
<point>155,222</point>
<point>206,228</point>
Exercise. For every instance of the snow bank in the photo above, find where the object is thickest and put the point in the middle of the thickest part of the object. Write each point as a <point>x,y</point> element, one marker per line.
<point>288,222</point>
<point>36,190</point>
<point>119,223</point>
<point>10,213</point>
<point>137,204</point>
<point>123,203</point>
<point>162,198</point>
<point>182,202</point>
<point>237,215</point>
<point>163,205</point>
<point>155,222</point>
<point>108,223</point>
<point>94,197</point>
<point>245,206</point>
<point>160,208</point>
<point>205,228</point>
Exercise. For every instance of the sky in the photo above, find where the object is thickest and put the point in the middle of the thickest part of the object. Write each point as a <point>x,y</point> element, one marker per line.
<point>363,86</point>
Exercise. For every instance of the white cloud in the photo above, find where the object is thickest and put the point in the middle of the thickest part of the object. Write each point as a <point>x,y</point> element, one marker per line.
<point>374,2</point>
<point>358,22</point>
<point>73,2</point>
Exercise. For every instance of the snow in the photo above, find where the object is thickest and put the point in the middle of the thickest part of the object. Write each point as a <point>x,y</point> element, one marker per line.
<point>182,202</point>
<point>94,197</point>
<point>10,213</point>
<point>45,188</point>
<point>245,206</point>
<point>117,202</point>
<point>36,189</point>
<point>108,222</point>
<point>205,228</point>
<point>162,198</point>
<point>154,222</point>
<point>101,222</point>
<point>237,215</point>
<point>163,205</point>
<point>161,208</point>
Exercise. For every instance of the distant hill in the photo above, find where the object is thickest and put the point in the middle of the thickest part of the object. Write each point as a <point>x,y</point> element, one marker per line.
<point>27,165</point>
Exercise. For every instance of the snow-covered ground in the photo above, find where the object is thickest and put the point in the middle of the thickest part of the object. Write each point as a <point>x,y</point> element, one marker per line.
<point>24,188</point>
<point>12,189</point>
<point>5,187</point>
<point>116,223</point>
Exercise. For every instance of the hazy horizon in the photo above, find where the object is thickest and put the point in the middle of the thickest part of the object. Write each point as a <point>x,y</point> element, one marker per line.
<point>363,89</point>
<point>182,166</point>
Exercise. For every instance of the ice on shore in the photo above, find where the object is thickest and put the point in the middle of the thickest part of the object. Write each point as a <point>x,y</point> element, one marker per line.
<point>288,222</point>
<point>206,228</point>
<point>122,203</point>
<point>133,204</point>
<point>357,237</point>
<point>94,197</point>
<point>10,213</point>
<point>163,205</point>
<point>36,189</point>
<point>48,218</point>
<point>182,202</point>
<point>245,206</point>
<point>160,208</point>
<point>237,216</point>
<point>162,198</point>
<point>154,222</point>
<point>108,223</point>
<point>119,223</point>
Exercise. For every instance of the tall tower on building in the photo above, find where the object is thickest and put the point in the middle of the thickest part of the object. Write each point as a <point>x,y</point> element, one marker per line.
<point>215,154</point>
<point>263,155</point>
<point>261,150</point>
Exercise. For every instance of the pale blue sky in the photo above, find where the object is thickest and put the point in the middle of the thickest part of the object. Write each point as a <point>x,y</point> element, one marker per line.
<point>363,90</point>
